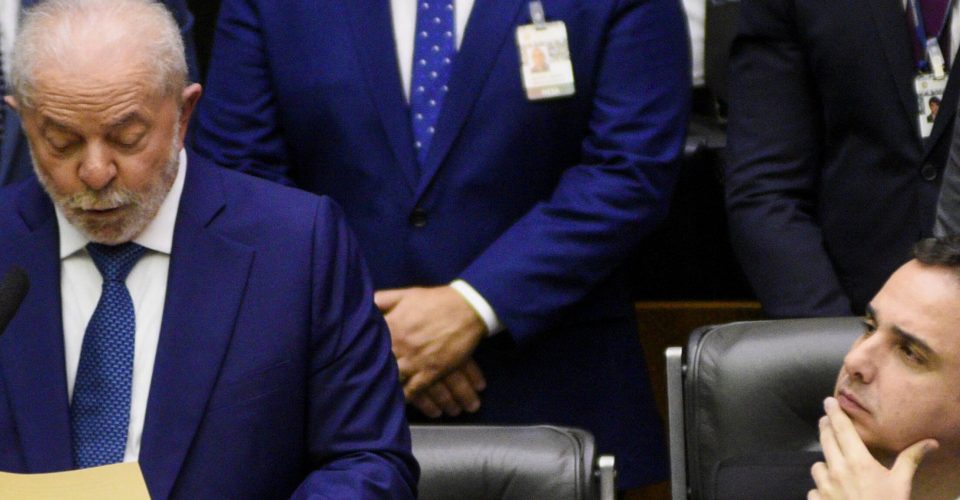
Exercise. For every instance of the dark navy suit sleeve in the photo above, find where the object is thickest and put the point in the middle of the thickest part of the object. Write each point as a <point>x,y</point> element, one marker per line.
<point>244,133</point>
<point>621,189</point>
<point>359,442</point>
<point>775,137</point>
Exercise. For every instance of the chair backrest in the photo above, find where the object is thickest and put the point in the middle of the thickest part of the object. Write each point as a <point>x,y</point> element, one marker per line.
<point>508,462</point>
<point>750,388</point>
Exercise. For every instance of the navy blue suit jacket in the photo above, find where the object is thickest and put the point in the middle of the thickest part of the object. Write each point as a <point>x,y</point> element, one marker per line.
<point>14,150</point>
<point>828,181</point>
<point>273,369</point>
<point>535,204</point>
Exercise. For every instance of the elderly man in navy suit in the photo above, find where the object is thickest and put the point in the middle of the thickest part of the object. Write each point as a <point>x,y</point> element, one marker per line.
<point>14,153</point>
<point>218,329</point>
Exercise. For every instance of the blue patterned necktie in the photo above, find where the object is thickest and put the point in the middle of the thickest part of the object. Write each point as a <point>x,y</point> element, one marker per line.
<point>100,410</point>
<point>433,52</point>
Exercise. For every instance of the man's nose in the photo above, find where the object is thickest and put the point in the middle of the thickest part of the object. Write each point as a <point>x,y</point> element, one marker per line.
<point>98,168</point>
<point>861,362</point>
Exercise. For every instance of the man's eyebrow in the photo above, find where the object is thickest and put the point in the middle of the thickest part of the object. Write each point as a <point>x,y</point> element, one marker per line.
<point>126,119</point>
<point>48,122</point>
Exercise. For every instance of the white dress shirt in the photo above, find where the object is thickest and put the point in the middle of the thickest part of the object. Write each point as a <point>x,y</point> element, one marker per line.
<point>81,286</point>
<point>696,11</point>
<point>404,13</point>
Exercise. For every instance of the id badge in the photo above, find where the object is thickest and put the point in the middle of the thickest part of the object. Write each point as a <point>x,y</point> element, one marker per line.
<point>929,97</point>
<point>545,60</point>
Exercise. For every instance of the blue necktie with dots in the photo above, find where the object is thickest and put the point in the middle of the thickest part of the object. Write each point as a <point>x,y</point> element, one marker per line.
<point>433,52</point>
<point>100,410</point>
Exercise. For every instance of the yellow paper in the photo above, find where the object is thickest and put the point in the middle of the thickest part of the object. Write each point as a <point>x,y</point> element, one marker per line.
<point>96,483</point>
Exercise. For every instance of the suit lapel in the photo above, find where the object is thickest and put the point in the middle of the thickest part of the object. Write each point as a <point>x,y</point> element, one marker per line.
<point>207,282</point>
<point>373,37</point>
<point>31,349</point>
<point>491,25</point>
<point>890,20</point>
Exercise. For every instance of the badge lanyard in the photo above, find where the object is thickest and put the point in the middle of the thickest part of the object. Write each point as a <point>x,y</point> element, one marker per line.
<point>537,15</point>
<point>546,68</point>
<point>931,46</point>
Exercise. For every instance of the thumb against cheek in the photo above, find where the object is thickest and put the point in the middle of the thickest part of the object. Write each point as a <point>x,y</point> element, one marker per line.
<point>910,458</point>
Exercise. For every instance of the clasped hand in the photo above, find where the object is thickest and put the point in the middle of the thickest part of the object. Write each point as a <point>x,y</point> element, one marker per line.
<point>434,332</point>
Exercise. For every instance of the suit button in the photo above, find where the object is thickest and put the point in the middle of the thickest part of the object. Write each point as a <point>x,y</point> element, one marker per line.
<point>928,172</point>
<point>418,218</point>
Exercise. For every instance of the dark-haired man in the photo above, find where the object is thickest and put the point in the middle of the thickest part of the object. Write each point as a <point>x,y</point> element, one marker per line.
<point>892,429</point>
<point>892,426</point>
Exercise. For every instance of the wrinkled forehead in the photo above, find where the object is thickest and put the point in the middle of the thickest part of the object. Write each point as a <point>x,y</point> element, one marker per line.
<point>67,92</point>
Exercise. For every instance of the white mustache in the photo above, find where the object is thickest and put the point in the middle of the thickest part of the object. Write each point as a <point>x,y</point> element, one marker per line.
<point>101,200</point>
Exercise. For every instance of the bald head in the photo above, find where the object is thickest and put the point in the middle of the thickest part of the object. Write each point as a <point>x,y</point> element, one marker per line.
<point>91,39</point>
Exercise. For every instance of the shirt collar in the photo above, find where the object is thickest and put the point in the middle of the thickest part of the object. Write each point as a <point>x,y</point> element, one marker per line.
<point>157,236</point>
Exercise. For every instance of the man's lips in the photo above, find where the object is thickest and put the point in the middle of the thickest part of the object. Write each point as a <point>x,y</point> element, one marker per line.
<point>850,403</point>
<point>100,211</point>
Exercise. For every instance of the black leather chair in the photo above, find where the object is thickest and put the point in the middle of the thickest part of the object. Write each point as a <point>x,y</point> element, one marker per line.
<point>749,388</point>
<point>510,462</point>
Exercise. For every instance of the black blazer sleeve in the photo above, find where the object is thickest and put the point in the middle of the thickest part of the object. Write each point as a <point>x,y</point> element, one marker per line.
<point>775,133</point>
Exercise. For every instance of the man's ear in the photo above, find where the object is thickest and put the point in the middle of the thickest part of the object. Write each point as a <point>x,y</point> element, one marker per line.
<point>190,98</point>
<point>12,102</point>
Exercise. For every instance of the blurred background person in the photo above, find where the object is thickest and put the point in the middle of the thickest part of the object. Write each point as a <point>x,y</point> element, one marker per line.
<point>833,169</point>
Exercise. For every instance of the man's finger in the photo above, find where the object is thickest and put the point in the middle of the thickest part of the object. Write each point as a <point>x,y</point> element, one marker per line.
<point>814,495</point>
<point>444,399</point>
<point>847,437</point>
<point>418,382</point>
<point>426,406</point>
<point>472,371</point>
<point>909,459</point>
<point>462,390</point>
<point>388,299</point>
<point>831,450</point>
<point>406,369</point>
<point>821,477</point>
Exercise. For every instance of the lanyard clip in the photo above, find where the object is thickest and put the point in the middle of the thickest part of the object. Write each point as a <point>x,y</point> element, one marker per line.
<point>937,61</point>
<point>537,15</point>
